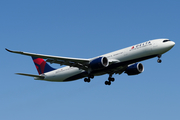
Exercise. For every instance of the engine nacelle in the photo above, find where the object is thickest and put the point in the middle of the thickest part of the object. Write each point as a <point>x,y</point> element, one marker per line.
<point>135,69</point>
<point>99,63</point>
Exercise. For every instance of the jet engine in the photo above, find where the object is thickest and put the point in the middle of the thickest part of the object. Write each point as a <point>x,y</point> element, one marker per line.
<point>135,69</point>
<point>99,63</point>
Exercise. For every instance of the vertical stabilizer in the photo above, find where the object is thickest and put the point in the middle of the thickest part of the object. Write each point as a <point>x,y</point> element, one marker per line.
<point>41,65</point>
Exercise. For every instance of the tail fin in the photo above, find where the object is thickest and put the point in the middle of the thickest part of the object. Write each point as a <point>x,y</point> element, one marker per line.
<point>41,65</point>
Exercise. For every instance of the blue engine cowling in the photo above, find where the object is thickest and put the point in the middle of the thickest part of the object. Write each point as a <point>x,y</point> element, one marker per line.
<point>135,69</point>
<point>99,63</point>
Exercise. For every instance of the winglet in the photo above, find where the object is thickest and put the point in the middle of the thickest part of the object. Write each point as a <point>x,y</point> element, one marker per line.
<point>13,51</point>
<point>8,50</point>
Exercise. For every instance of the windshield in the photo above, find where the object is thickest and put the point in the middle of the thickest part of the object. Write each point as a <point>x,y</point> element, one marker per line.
<point>166,40</point>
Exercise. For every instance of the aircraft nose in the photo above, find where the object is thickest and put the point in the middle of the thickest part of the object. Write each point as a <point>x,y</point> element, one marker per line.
<point>172,44</point>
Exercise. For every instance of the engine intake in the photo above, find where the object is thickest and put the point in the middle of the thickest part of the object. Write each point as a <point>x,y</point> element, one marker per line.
<point>135,69</point>
<point>99,63</point>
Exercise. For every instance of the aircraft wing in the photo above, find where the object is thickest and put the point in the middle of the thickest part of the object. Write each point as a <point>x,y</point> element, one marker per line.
<point>74,62</point>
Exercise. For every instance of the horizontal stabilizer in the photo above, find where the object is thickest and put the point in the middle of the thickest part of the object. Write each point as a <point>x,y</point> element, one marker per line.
<point>31,75</point>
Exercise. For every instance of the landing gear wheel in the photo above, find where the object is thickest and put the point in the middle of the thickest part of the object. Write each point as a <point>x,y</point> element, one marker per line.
<point>87,80</point>
<point>111,79</point>
<point>91,76</point>
<point>159,60</point>
<point>107,82</point>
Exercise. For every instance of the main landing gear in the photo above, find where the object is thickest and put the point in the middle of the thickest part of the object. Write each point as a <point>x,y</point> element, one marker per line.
<point>89,78</point>
<point>110,79</point>
<point>108,82</point>
<point>159,60</point>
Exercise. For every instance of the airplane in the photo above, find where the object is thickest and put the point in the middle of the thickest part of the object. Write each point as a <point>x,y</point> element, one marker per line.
<point>124,60</point>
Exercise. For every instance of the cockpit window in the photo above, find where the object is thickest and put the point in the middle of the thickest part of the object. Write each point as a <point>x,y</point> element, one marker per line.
<point>166,40</point>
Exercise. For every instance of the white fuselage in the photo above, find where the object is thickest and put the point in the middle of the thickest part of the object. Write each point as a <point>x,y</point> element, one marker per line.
<point>149,49</point>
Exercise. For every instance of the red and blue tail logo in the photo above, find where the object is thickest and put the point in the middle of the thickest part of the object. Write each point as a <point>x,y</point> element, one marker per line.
<point>41,65</point>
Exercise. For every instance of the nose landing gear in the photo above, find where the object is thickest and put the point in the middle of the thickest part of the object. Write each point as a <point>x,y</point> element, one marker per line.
<point>159,60</point>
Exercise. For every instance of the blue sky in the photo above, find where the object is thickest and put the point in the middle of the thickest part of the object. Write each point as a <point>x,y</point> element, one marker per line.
<point>85,29</point>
